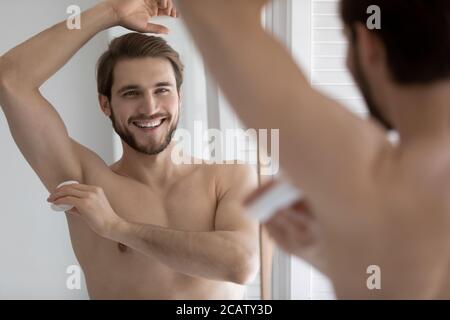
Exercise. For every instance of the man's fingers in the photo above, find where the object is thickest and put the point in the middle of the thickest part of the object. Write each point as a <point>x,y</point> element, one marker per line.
<point>152,7</point>
<point>163,3</point>
<point>156,28</point>
<point>256,193</point>
<point>288,217</point>
<point>79,190</point>
<point>164,13</point>
<point>275,230</point>
<point>79,186</point>
<point>301,221</point>
<point>169,7</point>
<point>302,207</point>
<point>283,234</point>
<point>294,227</point>
<point>84,187</point>
<point>279,225</point>
<point>298,218</point>
<point>67,192</point>
<point>174,13</point>
<point>68,200</point>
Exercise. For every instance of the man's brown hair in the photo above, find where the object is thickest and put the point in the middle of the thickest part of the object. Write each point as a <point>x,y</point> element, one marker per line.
<point>416,34</point>
<point>131,46</point>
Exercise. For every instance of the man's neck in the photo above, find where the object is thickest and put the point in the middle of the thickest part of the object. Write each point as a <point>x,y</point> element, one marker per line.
<point>152,170</point>
<point>422,113</point>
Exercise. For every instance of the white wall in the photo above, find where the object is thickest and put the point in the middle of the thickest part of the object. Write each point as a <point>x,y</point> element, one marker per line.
<point>35,248</point>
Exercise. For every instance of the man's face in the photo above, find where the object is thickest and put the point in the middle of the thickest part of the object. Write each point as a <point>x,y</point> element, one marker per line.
<point>361,79</point>
<point>145,103</point>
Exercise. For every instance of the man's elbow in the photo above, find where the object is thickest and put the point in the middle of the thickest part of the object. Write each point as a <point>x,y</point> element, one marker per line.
<point>10,71</point>
<point>3,74</point>
<point>6,75</point>
<point>245,269</point>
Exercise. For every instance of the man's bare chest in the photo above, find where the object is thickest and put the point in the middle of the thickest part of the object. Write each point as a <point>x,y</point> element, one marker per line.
<point>188,204</point>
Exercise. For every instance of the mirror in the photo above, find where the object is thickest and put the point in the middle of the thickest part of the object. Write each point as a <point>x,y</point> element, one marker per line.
<point>154,228</point>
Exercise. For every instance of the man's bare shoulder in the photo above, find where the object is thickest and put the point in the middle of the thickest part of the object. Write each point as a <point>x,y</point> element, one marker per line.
<point>404,173</point>
<point>232,177</point>
<point>228,171</point>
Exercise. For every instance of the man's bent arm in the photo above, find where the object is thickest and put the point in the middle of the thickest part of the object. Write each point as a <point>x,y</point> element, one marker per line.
<point>229,253</point>
<point>216,255</point>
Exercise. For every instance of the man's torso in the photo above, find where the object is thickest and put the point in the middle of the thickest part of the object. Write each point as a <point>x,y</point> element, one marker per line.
<point>114,271</point>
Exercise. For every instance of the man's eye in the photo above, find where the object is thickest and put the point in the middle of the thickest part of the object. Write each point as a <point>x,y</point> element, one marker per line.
<point>162,91</point>
<point>131,93</point>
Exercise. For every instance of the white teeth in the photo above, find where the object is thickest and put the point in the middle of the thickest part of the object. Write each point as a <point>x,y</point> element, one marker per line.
<point>148,124</point>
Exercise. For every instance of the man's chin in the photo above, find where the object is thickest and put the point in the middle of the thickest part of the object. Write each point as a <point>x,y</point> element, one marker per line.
<point>150,150</point>
<point>148,145</point>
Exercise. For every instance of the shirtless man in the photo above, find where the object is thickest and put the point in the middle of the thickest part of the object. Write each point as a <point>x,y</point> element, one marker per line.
<point>142,228</point>
<point>376,203</point>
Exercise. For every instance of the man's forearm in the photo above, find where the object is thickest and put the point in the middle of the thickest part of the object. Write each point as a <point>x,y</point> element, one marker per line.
<point>31,63</point>
<point>218,255</point>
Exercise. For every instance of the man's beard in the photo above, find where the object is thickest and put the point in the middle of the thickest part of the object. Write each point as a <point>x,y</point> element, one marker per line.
<point>374,110</point>
<point>152,149</point>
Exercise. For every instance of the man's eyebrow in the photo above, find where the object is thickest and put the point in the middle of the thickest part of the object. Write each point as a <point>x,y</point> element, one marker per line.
<point>128,87</point>
<point>135,86</point>
<point>164,84</point>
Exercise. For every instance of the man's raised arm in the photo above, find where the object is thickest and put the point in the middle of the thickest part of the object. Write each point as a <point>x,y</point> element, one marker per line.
<point>35,125</point>
<point>321,144</point>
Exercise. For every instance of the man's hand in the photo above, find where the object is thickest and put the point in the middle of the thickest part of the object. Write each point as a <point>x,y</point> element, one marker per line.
<point>91,204</point>
<point>297,232</point>
<point>234,4</point>
<point>168,8</point>
<point>135,14</point>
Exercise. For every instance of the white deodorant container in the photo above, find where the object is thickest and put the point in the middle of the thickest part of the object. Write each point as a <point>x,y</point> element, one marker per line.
<point>63,207</point>
<point>277,197</point>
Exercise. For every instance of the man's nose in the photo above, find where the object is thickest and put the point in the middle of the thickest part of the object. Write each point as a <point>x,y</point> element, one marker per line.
<point>149,104</point>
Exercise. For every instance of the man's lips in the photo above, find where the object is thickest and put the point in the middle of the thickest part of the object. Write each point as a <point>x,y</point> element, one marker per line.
<point>149,125</point>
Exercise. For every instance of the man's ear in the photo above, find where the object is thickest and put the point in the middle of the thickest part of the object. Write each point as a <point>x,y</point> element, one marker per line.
<point>180,98</point>
<point>104,104</point>
<point>368,44</point>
